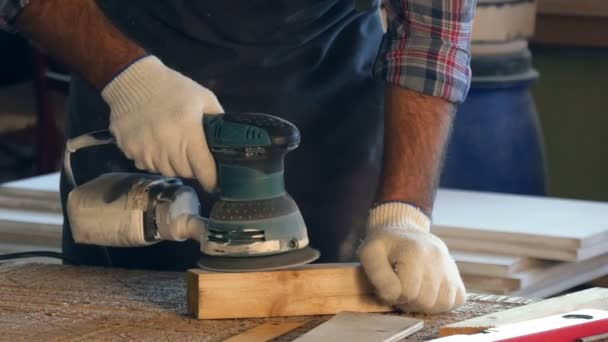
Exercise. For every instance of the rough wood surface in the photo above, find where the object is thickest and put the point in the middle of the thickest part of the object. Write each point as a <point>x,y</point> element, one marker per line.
<point>317,289</point>
<point>595,298</point>
<point>57,302</point>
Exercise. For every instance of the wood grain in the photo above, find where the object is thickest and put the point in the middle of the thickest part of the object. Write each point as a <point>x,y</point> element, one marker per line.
<point>595,298</point>
<point>317,289</point>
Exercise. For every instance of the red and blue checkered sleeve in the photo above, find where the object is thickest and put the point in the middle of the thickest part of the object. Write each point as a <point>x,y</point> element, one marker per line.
<point>426,47</point>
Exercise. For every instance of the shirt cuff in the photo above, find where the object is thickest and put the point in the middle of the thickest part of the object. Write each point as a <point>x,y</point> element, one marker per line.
<point>430,66</point>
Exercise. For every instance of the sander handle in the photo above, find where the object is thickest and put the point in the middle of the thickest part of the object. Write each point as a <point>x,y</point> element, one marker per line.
<point>96,138</point>
<point>170,218</point>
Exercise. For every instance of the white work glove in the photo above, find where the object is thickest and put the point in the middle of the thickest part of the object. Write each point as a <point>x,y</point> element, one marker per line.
<point>156,118</point>
<point>410,268</point>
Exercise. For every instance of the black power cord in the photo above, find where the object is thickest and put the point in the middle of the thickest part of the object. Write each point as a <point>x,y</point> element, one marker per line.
<point>36,254</point>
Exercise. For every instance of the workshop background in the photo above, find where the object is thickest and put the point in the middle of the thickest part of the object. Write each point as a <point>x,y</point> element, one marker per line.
<point>569,51</point>
<point>527,144</point>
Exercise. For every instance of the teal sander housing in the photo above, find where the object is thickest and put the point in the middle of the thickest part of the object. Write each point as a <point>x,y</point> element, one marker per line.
<point>255,224</point>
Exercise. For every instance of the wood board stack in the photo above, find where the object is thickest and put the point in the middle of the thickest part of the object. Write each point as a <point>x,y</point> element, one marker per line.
<point>30,214</point>
<point>503,244</point>
<point>523,245</point>
<point>572,23</point>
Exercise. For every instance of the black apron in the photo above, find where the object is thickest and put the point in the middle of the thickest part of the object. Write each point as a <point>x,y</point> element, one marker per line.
<point>308,61</point>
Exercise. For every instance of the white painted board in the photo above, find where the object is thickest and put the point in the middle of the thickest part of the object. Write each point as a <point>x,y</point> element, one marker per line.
<point>41,187</point>
<point>542,281</point>
<point>479,222</point>
<point>30,227</point>
<point>492,264</point>
<point>359,327</point>
<point>531,226</point>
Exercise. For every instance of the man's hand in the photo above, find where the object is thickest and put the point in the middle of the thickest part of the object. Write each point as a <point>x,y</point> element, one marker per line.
<point>156,113</point>
<point>156,117</point>
<point>409,267</point>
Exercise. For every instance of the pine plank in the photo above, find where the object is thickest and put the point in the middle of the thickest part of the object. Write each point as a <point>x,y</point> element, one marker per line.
<point>595,298</point>
<point>315,289</point>
<point>363,327</point>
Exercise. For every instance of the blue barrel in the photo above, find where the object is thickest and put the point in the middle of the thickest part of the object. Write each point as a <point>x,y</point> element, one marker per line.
<point>496,143</point>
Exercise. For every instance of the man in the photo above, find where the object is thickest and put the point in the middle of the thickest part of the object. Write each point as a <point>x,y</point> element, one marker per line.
<point>366,172</point>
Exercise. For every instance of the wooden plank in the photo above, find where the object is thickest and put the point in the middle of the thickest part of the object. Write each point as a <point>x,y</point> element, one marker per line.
<point>362,327</point>
<point>542,281</point>
<point>316,289</point>
<point>492,264</point>
<point>571,30</point>
<point>586,8</point>
<point>595,298</point>
<point>550,228</point>
<point>265,332</point>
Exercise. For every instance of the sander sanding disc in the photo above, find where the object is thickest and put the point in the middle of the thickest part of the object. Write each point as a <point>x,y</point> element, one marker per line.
<point>260,263</point>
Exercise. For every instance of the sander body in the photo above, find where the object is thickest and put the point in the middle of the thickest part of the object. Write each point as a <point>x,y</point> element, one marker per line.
<point>253,225</point>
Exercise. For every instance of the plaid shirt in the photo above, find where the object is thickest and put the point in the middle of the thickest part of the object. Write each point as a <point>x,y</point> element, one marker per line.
<point>426,47</point>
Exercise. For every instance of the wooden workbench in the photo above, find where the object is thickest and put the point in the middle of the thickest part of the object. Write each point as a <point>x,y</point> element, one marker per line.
<point>58,302</point>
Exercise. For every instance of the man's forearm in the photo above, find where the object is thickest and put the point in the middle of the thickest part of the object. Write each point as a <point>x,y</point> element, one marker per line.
<point>76,33</point>
<point>417,128</point>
